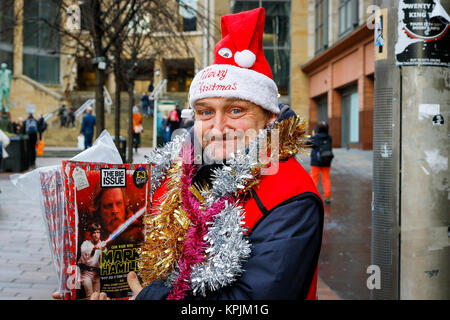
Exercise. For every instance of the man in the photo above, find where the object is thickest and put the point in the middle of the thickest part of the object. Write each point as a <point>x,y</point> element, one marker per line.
<point>111,212</point>
<point>87,128</point>
<point>276,255</point>
<point>89,261</point>
<point>42,126</point>
<point>71,117</point>
<point>62,116</point>
<point>145,103</point>
<point>31,129</point>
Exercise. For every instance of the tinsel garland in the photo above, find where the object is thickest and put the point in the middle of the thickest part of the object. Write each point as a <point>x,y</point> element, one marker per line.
<point>208,224</point>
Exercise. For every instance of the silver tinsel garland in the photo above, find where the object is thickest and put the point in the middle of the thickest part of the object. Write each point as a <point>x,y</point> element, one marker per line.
<point>162,158</point>
<point>227,250</point>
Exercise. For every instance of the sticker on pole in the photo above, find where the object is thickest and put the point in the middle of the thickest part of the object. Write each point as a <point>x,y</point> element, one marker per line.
<point>422,39</point>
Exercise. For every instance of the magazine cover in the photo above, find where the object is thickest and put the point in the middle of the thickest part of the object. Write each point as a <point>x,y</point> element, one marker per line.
<point>106,205</point>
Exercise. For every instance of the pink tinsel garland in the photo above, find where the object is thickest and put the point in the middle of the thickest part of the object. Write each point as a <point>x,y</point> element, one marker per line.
<point>194,246</point>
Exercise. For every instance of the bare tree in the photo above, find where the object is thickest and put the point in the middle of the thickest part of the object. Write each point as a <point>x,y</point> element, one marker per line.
<point>89,30</point>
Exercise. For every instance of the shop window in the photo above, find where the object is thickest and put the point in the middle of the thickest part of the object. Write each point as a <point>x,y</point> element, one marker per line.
<point>321,25</point>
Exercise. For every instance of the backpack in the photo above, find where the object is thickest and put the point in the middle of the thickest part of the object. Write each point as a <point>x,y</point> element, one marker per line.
<point>31,126</point>
<point>325,153</point>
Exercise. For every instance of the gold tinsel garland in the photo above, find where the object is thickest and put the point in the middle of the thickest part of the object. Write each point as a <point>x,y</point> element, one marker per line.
<point>166,227</point>
<point>165,231</point>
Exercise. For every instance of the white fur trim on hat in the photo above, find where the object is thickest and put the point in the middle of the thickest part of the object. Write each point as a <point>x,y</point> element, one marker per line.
<point>228,81</point>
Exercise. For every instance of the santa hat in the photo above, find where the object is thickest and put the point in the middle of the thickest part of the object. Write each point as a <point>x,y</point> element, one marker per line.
<point>240,69</point>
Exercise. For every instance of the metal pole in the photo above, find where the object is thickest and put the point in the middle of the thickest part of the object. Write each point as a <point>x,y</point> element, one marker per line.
<point>155,123</point>
<point>410,220</point>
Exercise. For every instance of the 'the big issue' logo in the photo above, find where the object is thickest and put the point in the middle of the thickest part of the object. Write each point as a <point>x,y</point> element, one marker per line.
<point>113,178</point>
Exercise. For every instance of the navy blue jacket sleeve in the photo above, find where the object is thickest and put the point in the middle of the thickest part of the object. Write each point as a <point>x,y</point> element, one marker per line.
<point>285,251</point>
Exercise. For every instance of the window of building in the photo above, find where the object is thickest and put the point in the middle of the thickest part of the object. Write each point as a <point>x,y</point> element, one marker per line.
<point>7,33</point>
<point>322,109</point>
<point>276,38</point>
<point>179,73</point>
<point>187,13</point>
<point>40,41</point>
<point>348,16</point>
<point>321,25</point>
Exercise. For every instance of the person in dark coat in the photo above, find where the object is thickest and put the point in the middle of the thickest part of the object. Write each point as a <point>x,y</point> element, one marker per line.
<point>321,157</point>
<point>31,128</point>
<point>42,126</point>
<point>145,103</point>
<point>87,127</point>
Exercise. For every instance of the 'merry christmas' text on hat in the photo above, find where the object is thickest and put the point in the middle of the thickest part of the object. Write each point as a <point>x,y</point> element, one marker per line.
<point>240,69</point>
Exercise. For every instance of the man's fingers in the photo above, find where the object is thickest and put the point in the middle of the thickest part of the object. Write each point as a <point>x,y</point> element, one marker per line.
<point>95,295</point>
<point>134,283</point>
<point>103,296</point>
<point>56,295</point>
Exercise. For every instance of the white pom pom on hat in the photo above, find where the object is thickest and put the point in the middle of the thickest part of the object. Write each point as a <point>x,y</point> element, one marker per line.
<point>245,58</point>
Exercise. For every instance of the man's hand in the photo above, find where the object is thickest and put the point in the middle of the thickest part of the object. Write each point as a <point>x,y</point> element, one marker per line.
<point>134,284</point>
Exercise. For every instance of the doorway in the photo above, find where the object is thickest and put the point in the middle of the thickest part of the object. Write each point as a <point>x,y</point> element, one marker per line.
<point>349,116</point>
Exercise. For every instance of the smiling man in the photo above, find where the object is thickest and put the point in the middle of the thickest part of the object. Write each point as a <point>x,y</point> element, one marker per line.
<point>223,230</point>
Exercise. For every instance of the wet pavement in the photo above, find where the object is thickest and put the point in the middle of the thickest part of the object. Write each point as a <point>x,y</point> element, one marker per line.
<point>345,253</point>
<point>27,272</point>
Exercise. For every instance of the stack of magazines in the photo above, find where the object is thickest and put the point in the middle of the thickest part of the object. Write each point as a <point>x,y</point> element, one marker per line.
<point>93,211</point>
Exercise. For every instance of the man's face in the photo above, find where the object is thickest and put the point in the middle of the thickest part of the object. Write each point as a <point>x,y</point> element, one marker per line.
<point>112,208</point>
<point>96,236</point>
<point>225,125</point>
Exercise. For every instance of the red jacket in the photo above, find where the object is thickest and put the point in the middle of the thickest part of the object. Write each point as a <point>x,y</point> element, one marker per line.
<point>285,221</point>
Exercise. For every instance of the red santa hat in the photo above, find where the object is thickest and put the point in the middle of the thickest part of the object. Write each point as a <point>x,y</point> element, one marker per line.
<point>240,69</point>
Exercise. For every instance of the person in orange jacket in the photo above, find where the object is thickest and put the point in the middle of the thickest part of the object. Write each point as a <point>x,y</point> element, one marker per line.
<point>321,157</point>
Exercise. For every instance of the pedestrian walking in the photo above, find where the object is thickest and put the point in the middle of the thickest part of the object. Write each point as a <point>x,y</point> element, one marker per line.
<point>31,129</point>
<point>62,115</point>
<point>145,103</point>
<point>321,157</point>
<point>165,127</point>
<point>71,117</point>
<point>87,127</point>
<point>137,128</point>
<point>42,126</point>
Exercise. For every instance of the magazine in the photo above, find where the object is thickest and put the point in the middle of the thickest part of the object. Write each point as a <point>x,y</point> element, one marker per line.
<point>105,207</point>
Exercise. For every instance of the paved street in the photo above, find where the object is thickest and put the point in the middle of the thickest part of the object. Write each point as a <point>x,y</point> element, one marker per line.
<point>27,272</point>
<point>345,253</point>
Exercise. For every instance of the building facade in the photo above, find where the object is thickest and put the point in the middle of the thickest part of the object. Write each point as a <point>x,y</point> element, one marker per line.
<point>340,70</point>
<point>46,76</point>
